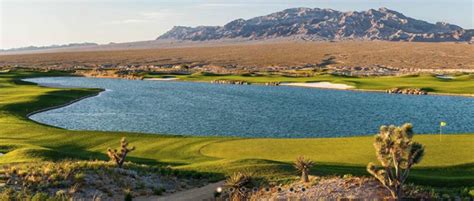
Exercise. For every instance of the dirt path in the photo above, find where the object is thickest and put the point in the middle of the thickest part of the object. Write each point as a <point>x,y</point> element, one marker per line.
<point>196,194</point>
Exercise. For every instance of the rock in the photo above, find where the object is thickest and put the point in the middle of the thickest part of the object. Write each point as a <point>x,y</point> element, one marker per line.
<point>412,91</point>
<point>238,82</point>
<point>326,24</point>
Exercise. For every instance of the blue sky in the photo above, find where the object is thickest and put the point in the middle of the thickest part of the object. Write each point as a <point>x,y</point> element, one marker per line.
<point>46,22</point>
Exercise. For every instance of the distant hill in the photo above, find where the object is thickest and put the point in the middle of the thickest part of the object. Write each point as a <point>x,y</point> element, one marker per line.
<point>31,48</point>
<point>326,24</point>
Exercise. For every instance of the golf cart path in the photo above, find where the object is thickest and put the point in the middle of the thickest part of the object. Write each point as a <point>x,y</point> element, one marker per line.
<point>195,194</point>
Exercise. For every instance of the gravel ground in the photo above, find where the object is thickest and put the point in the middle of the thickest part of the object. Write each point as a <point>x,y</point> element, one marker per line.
<point>327,188</point>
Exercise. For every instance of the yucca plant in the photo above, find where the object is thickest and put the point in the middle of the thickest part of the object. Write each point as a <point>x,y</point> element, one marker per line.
<point>236,183</point>
<point>303,165</point>
<point>397,153</point>
<point>119,157</point>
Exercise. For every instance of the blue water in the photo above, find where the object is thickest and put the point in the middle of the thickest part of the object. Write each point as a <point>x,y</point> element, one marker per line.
<point>252,111</point>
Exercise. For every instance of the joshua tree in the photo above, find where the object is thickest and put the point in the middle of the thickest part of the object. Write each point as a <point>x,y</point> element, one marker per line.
<point>303,165</point>
<point>119,157</point>
<point>397,153</point>
<point>236,183</point>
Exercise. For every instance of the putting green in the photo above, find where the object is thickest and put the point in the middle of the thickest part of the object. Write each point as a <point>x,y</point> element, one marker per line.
<point>451,150</point>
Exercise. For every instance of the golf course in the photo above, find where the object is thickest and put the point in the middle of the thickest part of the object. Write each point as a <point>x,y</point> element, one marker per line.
<point>459,84</point>
<point>448,161</point>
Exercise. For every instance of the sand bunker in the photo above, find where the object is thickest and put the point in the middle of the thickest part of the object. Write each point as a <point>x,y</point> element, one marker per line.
<point>162,79</point>
<point>326,85</point>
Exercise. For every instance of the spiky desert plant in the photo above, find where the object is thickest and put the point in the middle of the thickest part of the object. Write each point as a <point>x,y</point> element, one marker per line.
<point>397,153</point>
<point>236,182</point>
<point>303,165</point>
<point>119,157</point>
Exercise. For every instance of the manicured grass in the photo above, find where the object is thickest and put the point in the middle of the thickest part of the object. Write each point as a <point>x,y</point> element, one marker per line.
<point>352,151</point>
<point>461,84</point>
<point>447,163</point>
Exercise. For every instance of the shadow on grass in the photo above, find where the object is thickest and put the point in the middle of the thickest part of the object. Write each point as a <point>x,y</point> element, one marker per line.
<point>455,176</point>
<point>75,152</point>
<point>428,89</point>
<point>48,100</point>
<point>452,177</point>
<point>78,152</point>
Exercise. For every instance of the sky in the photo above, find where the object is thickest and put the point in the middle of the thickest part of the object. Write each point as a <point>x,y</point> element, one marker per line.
<point>46,22</point>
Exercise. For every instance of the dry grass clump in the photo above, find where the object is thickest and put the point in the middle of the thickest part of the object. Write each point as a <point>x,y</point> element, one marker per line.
<point>93,179</point>
<point>238,185</point>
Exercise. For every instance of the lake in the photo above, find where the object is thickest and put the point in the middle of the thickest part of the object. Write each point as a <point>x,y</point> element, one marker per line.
<point>190,108</point>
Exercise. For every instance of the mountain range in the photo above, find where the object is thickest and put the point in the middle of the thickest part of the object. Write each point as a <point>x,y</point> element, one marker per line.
<point>32,48</point>
<point>326,24</point>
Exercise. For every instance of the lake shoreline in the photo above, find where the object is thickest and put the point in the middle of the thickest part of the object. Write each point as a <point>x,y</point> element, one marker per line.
<point>300,132</point>
<point>301,85</point>
<point>62,105</point>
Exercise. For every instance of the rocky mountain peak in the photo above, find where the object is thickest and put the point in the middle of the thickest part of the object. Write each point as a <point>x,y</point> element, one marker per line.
<point>326,24</point>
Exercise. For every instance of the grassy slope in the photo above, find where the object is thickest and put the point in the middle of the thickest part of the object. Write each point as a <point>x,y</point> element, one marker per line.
<point>449,162</point>
<point>462,84</point>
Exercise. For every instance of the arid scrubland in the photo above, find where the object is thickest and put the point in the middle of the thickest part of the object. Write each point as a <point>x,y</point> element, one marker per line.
<point>404,55</point>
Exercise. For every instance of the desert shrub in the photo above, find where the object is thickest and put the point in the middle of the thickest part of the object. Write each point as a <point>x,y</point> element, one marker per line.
<point>159,191</point>
<point>347,176</point>
<point>237,183</point>
<point>79,177</point>
<point>40,197</point>
<point>140,185</point>
<point>7,194</point>
<point>397,153</point>
<point>128,196</point>
<point>119,157</point>
<point>303,165</point>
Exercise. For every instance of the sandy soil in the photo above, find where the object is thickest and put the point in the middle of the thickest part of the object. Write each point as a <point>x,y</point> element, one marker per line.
<point>405,55</point>
<point>198,194</point>
<point>162,79</point>
<point>325,85</point>
<point>328,188</point>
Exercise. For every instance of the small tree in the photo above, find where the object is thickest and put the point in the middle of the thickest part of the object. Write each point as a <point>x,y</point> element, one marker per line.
<point>397,153</point>
<point>236,183</point>
<point>119,157</point>
<point>303,165</point>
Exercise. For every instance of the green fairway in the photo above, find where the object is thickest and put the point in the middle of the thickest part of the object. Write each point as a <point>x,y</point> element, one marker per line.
<point>448,162</point>
<point>461,84</point>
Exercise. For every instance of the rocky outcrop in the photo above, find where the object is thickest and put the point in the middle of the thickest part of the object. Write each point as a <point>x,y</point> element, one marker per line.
<point>413,91</point>
<point>271,83</point>
<point>111,73</point>
<point>326,24</point>
<point>238,82</point>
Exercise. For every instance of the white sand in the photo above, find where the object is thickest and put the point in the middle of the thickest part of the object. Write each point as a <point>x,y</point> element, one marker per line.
<point>162,79</point>
<point>325,85</point>
<point>445,77</point>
